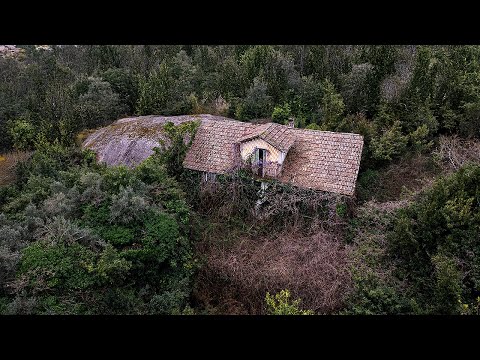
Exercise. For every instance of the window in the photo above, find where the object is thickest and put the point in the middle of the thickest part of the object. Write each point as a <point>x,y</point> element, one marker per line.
<point>207,176</point>
<point>260,161</point>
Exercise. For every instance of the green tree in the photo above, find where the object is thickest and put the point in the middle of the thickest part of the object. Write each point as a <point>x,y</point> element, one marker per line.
<point>310,96</point>
<point>154,91</point>
<point>448,287</point>
<point>281,304</point>
<point>124,84</point>
<point>419,139</point>
<point>332,107</point>
<point>382,58</point>
<point>97,104</point>
<point>469,120</point>
<point>231,82</point>
<point>428,237</point>
<point>354,88</point>
<point>390,144</point>
<point>22,133</point>
<point>276,70</point>
<point>180,139</point>
<point>257,103</point>
<point>281,114</point>
<point>327,61</point>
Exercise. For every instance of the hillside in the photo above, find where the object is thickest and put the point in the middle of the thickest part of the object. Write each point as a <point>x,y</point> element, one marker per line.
<point>82,234</point>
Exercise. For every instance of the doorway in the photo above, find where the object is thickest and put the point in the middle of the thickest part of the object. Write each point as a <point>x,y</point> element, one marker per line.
<point>262,159</point>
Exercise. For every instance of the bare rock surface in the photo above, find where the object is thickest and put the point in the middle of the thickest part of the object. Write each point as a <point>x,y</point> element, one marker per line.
<point>131,140</point>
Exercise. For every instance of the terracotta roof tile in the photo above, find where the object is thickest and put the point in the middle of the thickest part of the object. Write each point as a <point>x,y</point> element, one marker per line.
<point>276,135</point>
<point>213,149</point>
<point>319,160</point>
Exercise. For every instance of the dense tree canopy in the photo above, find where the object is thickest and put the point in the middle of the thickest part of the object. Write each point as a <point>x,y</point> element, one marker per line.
<point>398,89</point>
<point>77,237</point>
<point>80,238</point>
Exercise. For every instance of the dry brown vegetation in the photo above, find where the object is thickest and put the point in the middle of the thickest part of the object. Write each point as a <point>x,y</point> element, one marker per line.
<point>407,176</point>
<point>410,175</point>
<point>292,241</point>
<point>454,152</point>
<point>8,163</point>
<point>314,268</point>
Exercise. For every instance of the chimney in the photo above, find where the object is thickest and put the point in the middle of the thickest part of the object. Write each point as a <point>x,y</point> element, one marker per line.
<point>291,122</point>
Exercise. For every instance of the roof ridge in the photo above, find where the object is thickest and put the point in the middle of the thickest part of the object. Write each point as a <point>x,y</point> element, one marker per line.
<point>326,132</point>
<point>321,160</point>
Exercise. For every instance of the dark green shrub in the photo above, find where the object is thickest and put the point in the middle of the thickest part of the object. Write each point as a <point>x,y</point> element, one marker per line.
<point>367,184</point>
<point>281,304</point>
<point>22,134</point>
<point>85,229</point>
<point>281,114</point>
<point>443,225</point>
<point>374,296</point>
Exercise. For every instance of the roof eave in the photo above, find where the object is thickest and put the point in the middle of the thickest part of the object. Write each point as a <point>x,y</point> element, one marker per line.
<point>269,142</point>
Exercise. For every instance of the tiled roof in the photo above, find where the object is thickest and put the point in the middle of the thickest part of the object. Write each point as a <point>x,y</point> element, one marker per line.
<point>323,160</point>
<point>276,135</point>
<point>320,160</point>
<point>214,147</point>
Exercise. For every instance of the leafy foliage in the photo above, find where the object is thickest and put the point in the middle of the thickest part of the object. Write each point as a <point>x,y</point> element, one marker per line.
<point>76,237</point>
<point>390,144</point>
<point>97,103</point>
<point>434,241</point>
<point>179,140</point>
<point>281,114</point>
<point>83,238</point>
<point>332,107</point>
<point>281,304</point>
<point>22,134</point>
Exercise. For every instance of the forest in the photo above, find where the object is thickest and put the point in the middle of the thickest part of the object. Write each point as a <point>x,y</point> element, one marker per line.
<point>78,237</point>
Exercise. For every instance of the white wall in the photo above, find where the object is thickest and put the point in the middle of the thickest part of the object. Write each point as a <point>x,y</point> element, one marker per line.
<point>273,155</point>
<point>274,158</point>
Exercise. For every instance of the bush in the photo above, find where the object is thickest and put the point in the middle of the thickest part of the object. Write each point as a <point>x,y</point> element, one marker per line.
<point>59,266</point>
<point>448,287</point>
<point>374,295</point>
<point>419,139</point>
<point>22,133</point>
<point>180,139</point>
<point>441,226</point>
<point>376,288</point>
<point>83,229</point>
<point>367,184</point>
<point>280,304</point>
<point>390,144</point>
<point>313,126</point>
<point>469,123</point>
<point>281,114</point>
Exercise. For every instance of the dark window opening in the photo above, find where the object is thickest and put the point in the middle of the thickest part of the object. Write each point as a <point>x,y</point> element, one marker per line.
<point>209,177</point>
<point>262,155</point>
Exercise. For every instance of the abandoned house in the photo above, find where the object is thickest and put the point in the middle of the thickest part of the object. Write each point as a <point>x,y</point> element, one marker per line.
<point>320,160</point>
